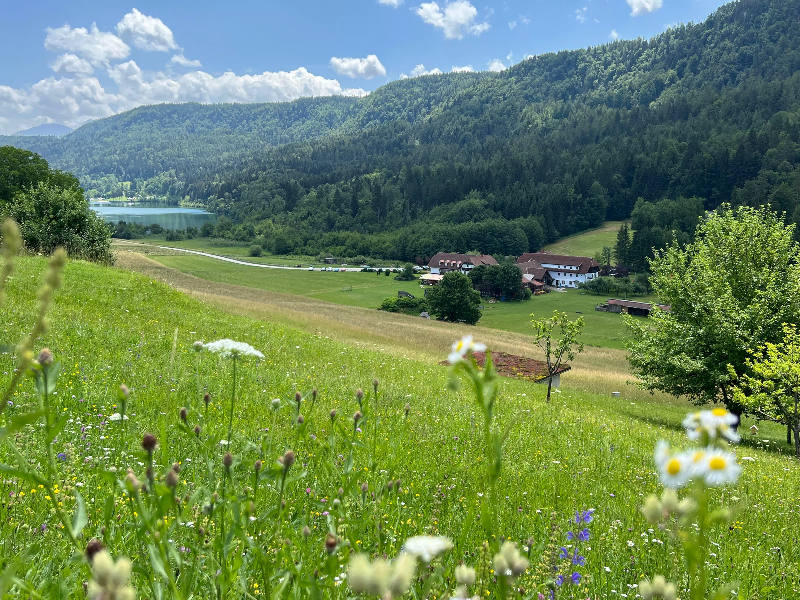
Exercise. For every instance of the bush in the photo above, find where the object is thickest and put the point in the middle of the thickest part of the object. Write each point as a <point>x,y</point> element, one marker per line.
<point>407,274</point>
<point>405,305</point>
<point>453,299</point>
<point>255,250</point>
<point>174,235</point>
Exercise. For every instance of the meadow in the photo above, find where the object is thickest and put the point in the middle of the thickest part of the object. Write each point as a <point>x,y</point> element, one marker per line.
<point>584,450</point>
<point>368,290</point>
<point>587,243</point>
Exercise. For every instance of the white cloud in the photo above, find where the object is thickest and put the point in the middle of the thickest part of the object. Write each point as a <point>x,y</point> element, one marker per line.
<point>614,35</point>
<point>70,63</point>
<point>496,65</point>
<point>392,3</point>
<point>464,69</point>
<point>510,55</point>
<point>73,101</point>
<point>181,60</point>
<point>146,33</point>
<point>359,67</point>
<point>641,7</point>
<point>580,14</point>
<point>456,20</point>
<point>420,70</point>
<point>97,47</point>
<point>512,24</point>
<point>524,20</point>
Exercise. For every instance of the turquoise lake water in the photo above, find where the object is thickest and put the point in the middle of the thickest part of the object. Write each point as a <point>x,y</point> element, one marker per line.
<point>145,213</point>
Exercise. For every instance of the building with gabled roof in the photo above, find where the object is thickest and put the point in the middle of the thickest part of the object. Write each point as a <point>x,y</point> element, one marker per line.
<point>445,262</point>
<point>559,270</point>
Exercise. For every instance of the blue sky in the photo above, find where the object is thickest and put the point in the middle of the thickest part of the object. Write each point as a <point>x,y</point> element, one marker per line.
<point>75,61</point>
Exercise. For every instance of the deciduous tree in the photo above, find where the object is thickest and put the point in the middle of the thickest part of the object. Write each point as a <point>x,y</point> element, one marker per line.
<point>557,350</point>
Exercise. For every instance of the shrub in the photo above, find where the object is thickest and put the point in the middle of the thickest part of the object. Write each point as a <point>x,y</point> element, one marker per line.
<point>255,250</point>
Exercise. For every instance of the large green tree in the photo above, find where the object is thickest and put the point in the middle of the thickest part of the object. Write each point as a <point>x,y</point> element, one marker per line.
<point>453,299</point>
<point>50,208</point>
<point>730,292</point>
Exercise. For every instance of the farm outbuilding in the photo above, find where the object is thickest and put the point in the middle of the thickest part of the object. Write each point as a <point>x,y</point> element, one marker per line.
<point>631,307</point>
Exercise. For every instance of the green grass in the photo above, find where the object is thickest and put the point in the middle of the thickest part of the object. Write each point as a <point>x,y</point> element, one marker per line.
<point>581,450</point>
<point>368,289</point>
<point>588,243</point>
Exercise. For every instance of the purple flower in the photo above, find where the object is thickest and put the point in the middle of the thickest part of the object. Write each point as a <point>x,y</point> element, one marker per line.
<point>560,580</point>
<point>577,559</point>
<point>44,527</point>
<point>62,456</point>
<point>570,536</point>
<point>358,429</point>
<point>325,513</point>
<point>576,578</point>
<point>583,536</point>
<point>564,553</point>
<point>588,515</point>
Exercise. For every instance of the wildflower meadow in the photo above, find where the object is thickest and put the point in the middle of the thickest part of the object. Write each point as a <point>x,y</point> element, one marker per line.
<point>153,447</point>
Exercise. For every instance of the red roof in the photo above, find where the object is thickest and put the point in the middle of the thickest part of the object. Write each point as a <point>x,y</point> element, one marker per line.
<point>454,261</point>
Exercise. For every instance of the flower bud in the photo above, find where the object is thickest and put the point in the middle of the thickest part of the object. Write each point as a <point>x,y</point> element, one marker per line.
<point>276,404</point>
<point>207,399</point>
<point>330,543</point>
<point>357,417</point>
<point>93,547</point>
<point>227,460</point>
<point>198,346</point>
<point>306,531</point>
<point>257,466</point>
<point>197,430</point>
<point>300,419</point>
<point>288,459</point>
<point>364,488</point>
<point>149,442</point>
<point>45,357</point>
<point>171,479</point>
<point>359,394</point>
<point>184,414</point>
<point>333,415</point>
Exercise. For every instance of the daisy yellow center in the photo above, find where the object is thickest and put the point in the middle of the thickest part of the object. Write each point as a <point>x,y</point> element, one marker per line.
<point>719,412</point>
<point>674,466</point>
<point>717,463</point>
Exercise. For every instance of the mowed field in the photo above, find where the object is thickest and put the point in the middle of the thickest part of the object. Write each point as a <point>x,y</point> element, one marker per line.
<point>588,243</point>
<point>585,449</point>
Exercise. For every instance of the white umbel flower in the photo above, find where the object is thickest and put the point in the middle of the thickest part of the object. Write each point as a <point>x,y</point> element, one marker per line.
<point>720,467</point>
<point>427,547</point>
<point>231,349</point>
<point>463,347</point>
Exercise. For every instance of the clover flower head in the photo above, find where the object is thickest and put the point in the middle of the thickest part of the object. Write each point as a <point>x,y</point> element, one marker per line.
<point>465,575</point>
<point>232,349</point>
<point>463,347</point>
<point>427,547</point>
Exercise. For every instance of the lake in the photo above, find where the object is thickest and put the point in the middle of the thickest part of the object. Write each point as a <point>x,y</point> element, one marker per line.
<point>147,213</point>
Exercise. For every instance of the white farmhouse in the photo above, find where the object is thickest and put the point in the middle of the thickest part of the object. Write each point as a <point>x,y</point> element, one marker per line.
<point>560,270</point>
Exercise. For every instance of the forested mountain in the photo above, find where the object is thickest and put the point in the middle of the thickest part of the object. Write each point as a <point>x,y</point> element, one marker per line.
<point>547,148</point>
<point>155,150</point>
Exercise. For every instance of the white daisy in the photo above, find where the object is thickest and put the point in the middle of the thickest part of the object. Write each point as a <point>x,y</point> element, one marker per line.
<point>463,347</point>
<point>675,470</point>
<point>231,349</point>
<point>721,467</point>
<point>117,417</point>
<point>719,420</point>
<point>427,547</point>
<point>699,462</point>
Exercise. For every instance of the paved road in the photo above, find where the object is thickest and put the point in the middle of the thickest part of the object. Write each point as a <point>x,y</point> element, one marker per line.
<point>246,263</point>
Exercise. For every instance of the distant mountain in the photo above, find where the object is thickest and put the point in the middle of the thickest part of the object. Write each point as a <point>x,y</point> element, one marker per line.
<point>158,148</point>
<point>46,129</point>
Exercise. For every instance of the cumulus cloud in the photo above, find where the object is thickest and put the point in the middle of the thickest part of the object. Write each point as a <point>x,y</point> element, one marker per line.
<point>392,3</point>
<point>180,59</point>
<point>464,69</point>
<point>76,95</point>
<point>642,7</point>
<point>455,20</point>
<point>580,14</point>
<point>95,46</point>
<point>420,70</point>
<point>512,24</point>
<point>146,33</point>
<point>73,101</point>
<point>359,67</point>
<point>496,65</point>
<point>71,63</point>
<point>614,35</point>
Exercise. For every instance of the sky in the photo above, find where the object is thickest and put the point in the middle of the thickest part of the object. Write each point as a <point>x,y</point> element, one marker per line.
<point>70,62</point>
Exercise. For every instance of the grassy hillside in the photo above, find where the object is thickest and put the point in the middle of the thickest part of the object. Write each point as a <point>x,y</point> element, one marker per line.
<point>588,243</point>
<point>582,450</point>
